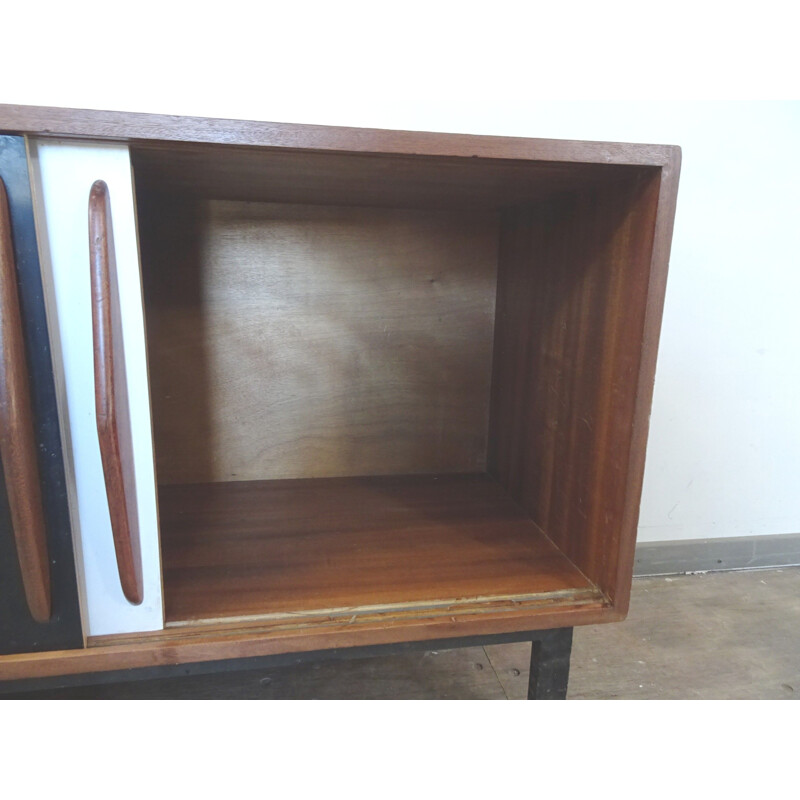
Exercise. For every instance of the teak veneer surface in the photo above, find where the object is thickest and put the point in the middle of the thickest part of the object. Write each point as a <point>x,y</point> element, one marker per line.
<point>571,303</point>
<point>341,546</point>
<point>157,129</point>
<point>363,179</point>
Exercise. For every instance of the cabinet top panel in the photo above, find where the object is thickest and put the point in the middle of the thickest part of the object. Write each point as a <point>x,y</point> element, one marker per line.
<point>137,128</point>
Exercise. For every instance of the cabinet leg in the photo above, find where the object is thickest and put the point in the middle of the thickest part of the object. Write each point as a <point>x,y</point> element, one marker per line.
<point>550,653</point>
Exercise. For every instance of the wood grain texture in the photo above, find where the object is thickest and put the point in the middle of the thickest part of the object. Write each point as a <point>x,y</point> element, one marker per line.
<point>361,179</point>
<point>193,645</point>
<point>111,395</point>
<point>651,332</point>
<point>416,674</point>
<point>17,441</point>
<point>342,547</point>
<point>292,341</point>
<point>136,127</point>
<point>573,286</point>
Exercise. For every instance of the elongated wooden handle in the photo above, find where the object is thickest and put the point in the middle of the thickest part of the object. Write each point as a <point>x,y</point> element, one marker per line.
<point>111,395</point>
<point>17,441</point>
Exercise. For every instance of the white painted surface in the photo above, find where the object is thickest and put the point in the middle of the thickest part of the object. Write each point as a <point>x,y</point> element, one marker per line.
<point>63,173</point>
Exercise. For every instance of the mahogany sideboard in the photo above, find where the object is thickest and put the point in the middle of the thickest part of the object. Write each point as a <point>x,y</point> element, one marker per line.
<point>271,390</point>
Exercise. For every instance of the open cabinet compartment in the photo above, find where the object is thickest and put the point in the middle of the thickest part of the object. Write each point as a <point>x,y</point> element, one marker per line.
<point>392,385</point>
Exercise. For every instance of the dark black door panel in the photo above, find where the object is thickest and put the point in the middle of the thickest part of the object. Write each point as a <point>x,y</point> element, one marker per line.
<point>19,632</point>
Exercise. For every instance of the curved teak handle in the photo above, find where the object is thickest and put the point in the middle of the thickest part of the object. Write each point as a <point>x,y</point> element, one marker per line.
<point>111,395</point>
<point>17,441</point>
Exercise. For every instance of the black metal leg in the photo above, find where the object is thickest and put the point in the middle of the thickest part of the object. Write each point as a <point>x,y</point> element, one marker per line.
<point>550,652</point>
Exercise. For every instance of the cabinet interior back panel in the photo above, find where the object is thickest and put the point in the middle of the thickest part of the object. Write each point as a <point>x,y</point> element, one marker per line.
<point>298,341</point>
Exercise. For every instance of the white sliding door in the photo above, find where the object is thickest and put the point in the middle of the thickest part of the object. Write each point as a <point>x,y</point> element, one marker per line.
<point>63,173</point>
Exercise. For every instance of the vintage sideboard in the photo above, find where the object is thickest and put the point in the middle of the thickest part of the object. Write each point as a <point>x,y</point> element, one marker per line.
<point>271,390</point>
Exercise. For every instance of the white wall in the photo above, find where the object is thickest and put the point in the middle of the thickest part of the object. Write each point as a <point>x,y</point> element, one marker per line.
<point>724,453</point>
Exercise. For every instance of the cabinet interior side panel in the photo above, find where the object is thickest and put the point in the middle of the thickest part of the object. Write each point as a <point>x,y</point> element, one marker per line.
<point>572,290</point>
<point>292,341</point>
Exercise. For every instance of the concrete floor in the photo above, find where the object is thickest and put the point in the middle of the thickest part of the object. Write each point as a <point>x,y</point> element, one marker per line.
<point>731,635</point>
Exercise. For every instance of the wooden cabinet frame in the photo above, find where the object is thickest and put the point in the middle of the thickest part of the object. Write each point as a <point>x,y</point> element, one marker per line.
<point>553,354</point>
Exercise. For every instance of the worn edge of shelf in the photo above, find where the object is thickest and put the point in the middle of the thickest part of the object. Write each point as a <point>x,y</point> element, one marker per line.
<point>391,611</point>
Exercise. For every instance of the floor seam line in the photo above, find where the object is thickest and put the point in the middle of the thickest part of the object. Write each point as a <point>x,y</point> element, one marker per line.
<point>502,687</point>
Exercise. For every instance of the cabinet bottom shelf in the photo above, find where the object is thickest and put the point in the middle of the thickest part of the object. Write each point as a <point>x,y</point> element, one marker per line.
<point>347,548</point>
